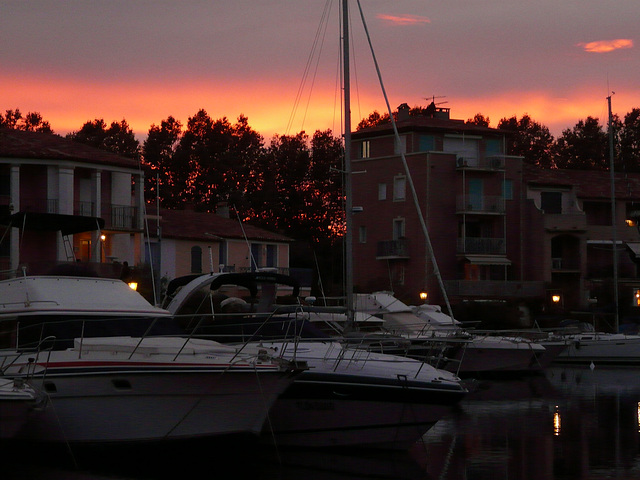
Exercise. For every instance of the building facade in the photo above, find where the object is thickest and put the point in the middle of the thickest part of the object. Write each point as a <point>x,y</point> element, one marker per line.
<point>65,202</point>
<point>500,232</point>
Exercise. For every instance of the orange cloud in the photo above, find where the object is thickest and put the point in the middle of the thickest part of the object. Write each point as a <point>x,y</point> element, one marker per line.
<point>404,19</point>
<point>603,46</point>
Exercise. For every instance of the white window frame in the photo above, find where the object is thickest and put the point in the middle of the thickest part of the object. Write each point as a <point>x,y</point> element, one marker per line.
<point>382,191</point>
<point>399,188</point>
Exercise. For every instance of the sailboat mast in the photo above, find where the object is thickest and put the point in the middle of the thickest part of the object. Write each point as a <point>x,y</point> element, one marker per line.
<point>613,220</point>
<point>348,252</point>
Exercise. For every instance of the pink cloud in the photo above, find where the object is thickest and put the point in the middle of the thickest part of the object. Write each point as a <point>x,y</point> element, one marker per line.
<point>603,46</point>
<point>404,19</point>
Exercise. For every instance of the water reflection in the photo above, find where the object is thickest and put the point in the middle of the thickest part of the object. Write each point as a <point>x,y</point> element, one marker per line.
<point>570,423</point>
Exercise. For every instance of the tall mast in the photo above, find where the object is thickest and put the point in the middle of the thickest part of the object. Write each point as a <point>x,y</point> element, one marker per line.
<point>347,162</point>
<point>613,220</point>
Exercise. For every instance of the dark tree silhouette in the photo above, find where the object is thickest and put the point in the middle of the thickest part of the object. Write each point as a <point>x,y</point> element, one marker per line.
<point>584,147</point>
<point>529,139</point>
<point>479,119</point>
<point>118,138</point>
<point>158,155</point>
<point>629,147</point>
<point>31,122</point>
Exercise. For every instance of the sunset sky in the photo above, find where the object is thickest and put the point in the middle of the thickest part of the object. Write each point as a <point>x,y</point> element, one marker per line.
<point>143,60</point>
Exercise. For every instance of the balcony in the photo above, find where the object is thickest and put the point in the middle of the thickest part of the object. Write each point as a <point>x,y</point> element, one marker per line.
<point>568,222</point>
<point>393,249</point>
<point>491,163</point>
<point>480,204</point>
<point>123,217</point>
<point>482,246</point>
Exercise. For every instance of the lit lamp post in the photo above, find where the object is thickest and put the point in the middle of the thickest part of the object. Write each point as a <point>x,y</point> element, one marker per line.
<point>424,296</point>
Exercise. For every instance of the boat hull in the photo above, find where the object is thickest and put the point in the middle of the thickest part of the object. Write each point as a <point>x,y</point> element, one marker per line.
<point>602,349</point>
<point>355,413</point>
<point>159,405</point>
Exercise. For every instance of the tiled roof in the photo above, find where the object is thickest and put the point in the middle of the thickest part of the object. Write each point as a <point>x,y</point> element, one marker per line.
<point>593,184</point>
<point>49,146</point>
<point>192,225</point>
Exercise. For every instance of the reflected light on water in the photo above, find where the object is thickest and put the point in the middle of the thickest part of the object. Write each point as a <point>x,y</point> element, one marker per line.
<point>557,422</point>
<point>638,416</point>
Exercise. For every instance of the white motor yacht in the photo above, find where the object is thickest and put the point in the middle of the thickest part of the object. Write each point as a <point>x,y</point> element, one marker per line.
<point>115,368</point>
<point>348,396</point>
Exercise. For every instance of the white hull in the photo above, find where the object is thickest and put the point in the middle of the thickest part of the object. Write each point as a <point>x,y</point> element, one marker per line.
<point>146,407</point>
<point>601,348</point>
<point>482,354</point>
<point>354,398</point>
<point>106,393</point>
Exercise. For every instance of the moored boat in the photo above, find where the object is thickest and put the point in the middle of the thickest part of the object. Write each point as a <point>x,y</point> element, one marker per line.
<point>116,369</point>
<point>348,396</point>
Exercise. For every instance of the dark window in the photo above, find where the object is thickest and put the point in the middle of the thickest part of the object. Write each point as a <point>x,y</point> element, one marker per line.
<point>551,202</point>
<point>597,213</point>
<point>196,259</point>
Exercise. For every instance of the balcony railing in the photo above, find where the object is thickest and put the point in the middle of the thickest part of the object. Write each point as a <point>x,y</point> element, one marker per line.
<point>492,162</point>
<point>489,204</point>
<point>85,209</point>
<point>482,246</point>
<point>120,216</point>
<point>390,249</point>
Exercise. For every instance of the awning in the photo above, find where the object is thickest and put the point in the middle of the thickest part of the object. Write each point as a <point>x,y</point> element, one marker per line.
<point>487,260</point>
<point>634,247</point>
<point>52,222</point>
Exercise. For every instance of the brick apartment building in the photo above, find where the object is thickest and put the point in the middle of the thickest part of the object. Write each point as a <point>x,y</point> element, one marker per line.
<point>501,231</point>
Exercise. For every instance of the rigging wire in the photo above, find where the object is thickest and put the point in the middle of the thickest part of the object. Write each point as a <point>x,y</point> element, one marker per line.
<point>320,32</point>
<point>406,168</point>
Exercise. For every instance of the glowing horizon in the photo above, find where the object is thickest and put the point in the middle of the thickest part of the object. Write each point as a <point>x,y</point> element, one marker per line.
<point>67,105</point>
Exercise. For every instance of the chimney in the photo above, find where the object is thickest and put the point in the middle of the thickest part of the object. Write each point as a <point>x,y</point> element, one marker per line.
<point>222,209</point>
<point>403,112</point>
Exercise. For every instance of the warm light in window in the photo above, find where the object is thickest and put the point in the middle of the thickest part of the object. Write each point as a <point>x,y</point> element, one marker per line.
<point>133,285</point>
<point>630,223</point>
<point>424,296</point>
<point>555,298</point>
<point>636,295</point>
<point>556,422</point>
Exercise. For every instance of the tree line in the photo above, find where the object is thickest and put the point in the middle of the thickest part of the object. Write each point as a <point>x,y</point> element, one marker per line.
<point>293,184</point>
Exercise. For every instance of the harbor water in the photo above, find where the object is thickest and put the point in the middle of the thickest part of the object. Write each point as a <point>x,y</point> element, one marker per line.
<point>566,423</point>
